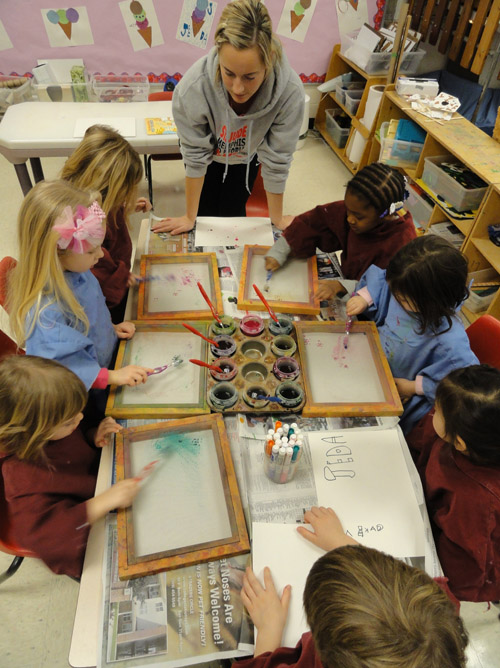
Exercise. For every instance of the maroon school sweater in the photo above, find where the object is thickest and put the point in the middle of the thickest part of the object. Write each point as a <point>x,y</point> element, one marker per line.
<point>46,501</point>
<point>302,656</point>
<point>325,227</point>
<point>463,500</point>
<point>113,269</point>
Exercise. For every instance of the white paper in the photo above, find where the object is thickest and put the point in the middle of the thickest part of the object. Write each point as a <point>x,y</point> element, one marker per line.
<point>61,67</point>
<point>125,125</point>
<point>290,558</point>
<point>364,478</point>
<point>233,231</point>
<point>289,284</point>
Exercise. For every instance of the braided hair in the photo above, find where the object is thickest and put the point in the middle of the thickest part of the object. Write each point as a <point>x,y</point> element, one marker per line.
<point>380,185</point>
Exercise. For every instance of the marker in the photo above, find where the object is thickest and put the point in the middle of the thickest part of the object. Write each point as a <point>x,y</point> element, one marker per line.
<point>278,425</point>
<point>272,463</point>
<point>286,464</point>
<point>286,428</point>
<point>279,463</point>
<point>269,446</point>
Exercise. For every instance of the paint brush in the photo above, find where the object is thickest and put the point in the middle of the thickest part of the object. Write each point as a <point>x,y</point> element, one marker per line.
<point>348,325</point>
<point>211,306</point>
<point>213,367</point>
<point>146,279</point>
<point>263,397</point>
<point>146,471</point>
<point>195,331</point>
<point>176,360</point>
<point>269,274</point>
<point>264,301</point>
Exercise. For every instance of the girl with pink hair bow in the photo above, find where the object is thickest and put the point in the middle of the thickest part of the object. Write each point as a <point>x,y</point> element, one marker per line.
<point>56,304</point>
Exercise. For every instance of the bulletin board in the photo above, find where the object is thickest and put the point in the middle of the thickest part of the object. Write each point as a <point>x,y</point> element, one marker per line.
<point>167,37</point>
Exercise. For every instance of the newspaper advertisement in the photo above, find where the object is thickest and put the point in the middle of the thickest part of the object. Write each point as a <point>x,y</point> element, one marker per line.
<point>175,618</point>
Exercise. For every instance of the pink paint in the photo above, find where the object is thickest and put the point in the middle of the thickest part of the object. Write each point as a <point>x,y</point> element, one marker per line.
<point>252,325</point>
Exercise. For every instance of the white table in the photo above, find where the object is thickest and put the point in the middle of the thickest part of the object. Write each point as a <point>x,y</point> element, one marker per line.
<point>34,130</point>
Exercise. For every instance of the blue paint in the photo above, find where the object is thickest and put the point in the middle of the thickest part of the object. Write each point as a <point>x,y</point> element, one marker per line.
<point>184,444</point>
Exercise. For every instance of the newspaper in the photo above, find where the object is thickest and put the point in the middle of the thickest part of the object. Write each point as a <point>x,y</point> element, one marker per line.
<point>176,618</point>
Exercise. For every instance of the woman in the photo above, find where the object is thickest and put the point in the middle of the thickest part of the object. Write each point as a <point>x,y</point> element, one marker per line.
<point>239,106</point>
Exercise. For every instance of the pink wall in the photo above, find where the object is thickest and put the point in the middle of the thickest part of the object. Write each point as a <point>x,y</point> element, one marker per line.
<point>113,52</point>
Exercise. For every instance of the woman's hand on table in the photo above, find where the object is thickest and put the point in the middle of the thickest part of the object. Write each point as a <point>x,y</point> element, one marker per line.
<point>328,532</point>
<point>174,225</point>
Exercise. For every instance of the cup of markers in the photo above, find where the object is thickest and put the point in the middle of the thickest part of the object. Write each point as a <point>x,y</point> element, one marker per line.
<point>282,452</point>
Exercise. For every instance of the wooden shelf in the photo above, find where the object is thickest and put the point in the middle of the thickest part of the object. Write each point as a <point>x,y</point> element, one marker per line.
<point>490,252</point>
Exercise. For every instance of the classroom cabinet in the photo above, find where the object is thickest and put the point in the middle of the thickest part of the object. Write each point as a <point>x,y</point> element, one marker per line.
<point>460,139</point>
<point>330,105</point>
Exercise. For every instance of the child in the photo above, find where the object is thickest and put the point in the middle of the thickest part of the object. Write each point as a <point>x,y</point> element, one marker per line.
<point>414,306</point>
<point>369,227</point>
<point>49,469</point>
<point>106,162</point>
<point>364,608</point>
<point>56,305</point>
<point>457,452</point>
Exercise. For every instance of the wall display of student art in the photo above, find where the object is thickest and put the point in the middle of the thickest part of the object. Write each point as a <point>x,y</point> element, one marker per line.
<point>170,289</point>
<point>188,510</point>
<point>292,288</point>
<point>179,391</point>
<point>162,38</point>
<point>345,381</point>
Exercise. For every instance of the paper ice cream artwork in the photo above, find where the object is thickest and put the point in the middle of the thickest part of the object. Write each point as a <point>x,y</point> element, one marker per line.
<point>195,22</point>
<point>68,26</point>
<point>295,19</point>
<point>142,24</point>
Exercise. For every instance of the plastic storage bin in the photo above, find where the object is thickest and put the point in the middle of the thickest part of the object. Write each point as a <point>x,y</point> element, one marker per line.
<point>378,62</point>
<point>352,100</point>
<point>337,133</point>
<point>69,92</point>
<point>14,90</point>
<point>446,187</point>
<point>419,207</point>
<point>480,302</point>
<point>396,152</point>
<point>111,88</point>
<point>343,87</point>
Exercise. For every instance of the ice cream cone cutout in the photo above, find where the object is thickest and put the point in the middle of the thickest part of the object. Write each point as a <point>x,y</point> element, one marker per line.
<point>198,16</point>
<point>64,18</point>
<point>141,22</point>
<point>297,14</point>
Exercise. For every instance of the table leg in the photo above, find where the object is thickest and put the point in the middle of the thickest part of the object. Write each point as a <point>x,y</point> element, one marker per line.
<point>23,177</point>
<point>36,168</point>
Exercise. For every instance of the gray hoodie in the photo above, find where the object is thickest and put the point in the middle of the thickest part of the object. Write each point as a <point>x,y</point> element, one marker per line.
<point>205,121</point>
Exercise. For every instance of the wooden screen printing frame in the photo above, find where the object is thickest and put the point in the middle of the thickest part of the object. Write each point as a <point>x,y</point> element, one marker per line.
<point>392,403</point>
<point>248,303</point>
<point>213,290</point>
<point>117,409</point>
<point>130,566</point>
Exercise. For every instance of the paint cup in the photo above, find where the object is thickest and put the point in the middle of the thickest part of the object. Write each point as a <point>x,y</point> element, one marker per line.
<point>227,346</point>
<point>252,325</point>
<point>228,326</point>
<point>254,372</point>
<point>286,368</point>
<point>283,345</point>
<point>285,326</point>
<point>251,394</point>
<point>253,350</point>
<point>223,395</point>
<point>229,369</point>
<point>290,393</point>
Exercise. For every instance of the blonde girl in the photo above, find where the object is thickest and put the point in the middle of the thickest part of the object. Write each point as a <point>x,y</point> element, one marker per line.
<point>50,464</point>
<point>56,305</point>
<point>106,162</point>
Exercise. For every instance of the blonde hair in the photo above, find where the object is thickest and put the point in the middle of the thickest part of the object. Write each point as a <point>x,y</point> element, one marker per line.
<point>38,279</point>
<point>366,608</point>
<point>36,396</point>
<point>106,162</point>
<point>244,24</point>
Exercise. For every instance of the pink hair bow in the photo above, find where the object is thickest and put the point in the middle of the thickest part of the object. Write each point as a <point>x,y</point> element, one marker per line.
<point>80,231</point>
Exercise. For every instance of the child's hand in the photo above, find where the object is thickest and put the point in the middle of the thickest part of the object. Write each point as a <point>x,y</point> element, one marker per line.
<point>174,225</point>
<point>406,388</point>
<point>132,280</point>
<point>267,610</point>
<point>125,330</point>
<point>272,264</point>
<point>328,533</point>
<point>329,290</point>
<point>356,305</point>
<point>120,495</point>
<point>128,375</point>
<point>143,204</point>
<point>106,427</point>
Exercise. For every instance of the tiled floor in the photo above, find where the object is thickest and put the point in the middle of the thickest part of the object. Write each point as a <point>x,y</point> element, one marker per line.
<point>37,607</point>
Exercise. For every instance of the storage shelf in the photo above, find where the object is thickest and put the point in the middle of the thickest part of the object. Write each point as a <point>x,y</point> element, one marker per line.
<point>490,252</point>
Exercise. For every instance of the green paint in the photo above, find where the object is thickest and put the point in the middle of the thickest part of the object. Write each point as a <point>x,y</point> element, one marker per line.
<point>178,444</point>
